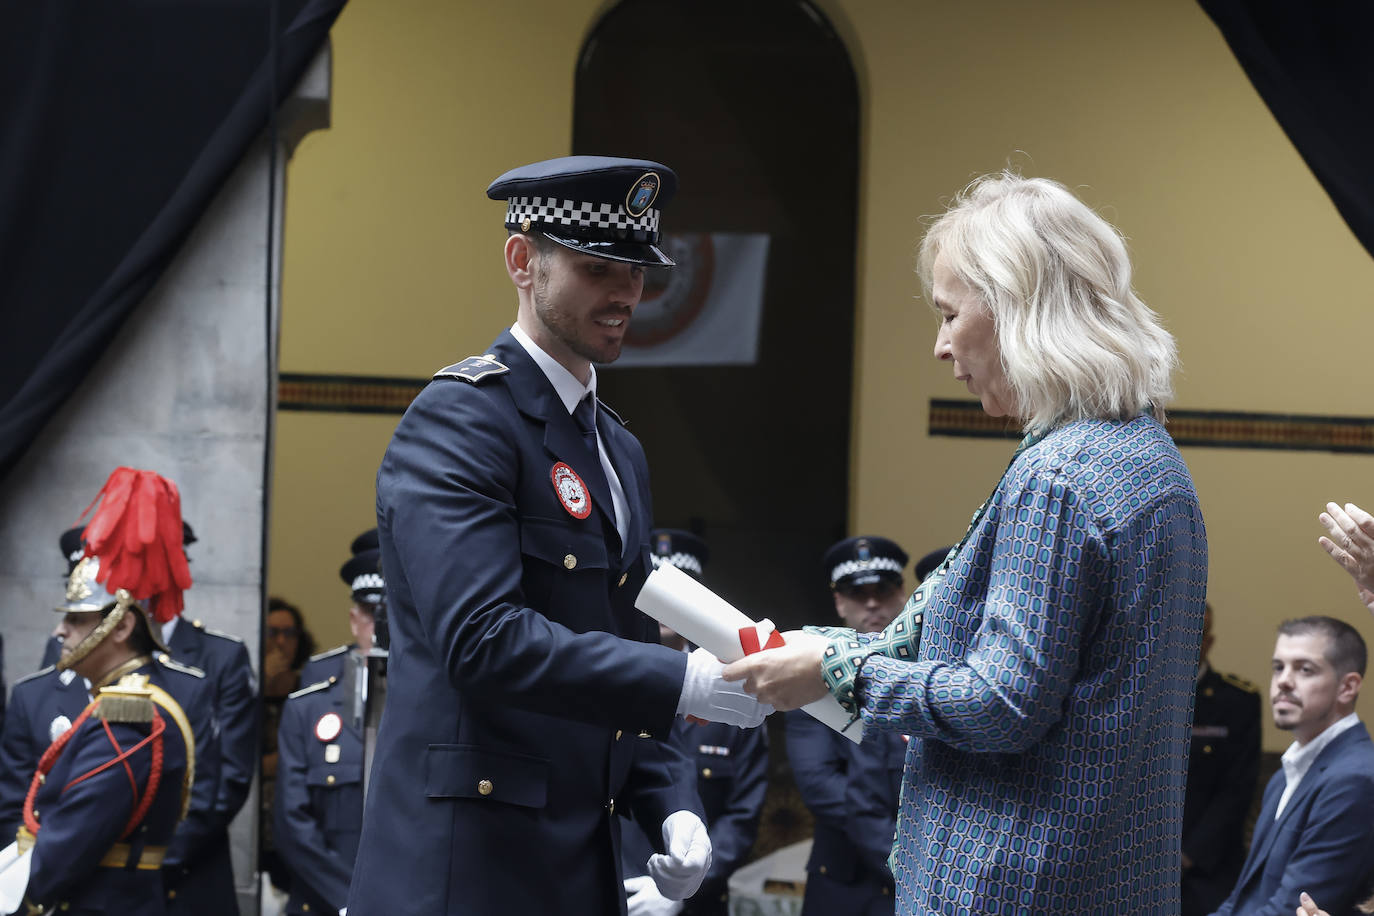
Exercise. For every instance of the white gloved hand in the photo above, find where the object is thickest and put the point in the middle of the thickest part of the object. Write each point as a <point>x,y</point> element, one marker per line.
<point>679,873</point>
<point>706,695</point>
<point>645,900</point>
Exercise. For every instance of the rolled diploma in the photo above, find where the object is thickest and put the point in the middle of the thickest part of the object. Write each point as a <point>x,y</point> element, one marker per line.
<point>14,876</point>
<point>699,615</point>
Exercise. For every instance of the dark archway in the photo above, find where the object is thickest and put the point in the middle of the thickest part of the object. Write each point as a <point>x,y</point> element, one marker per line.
<point>756,106</point>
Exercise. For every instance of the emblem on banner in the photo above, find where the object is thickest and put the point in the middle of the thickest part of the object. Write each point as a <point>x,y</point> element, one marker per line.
<point>329,726</point>
<point>572,492</point>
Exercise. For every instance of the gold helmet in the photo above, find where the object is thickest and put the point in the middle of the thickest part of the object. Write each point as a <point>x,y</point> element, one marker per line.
<point>134,558</point>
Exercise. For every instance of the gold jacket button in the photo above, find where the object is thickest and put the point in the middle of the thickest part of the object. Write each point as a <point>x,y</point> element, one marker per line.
<point>484,787</point>
<point>623,577</point>
<point>706,773</point>
<point>305,908</point>
<point>618,733</point>
<point>171,895</point>
<point>329,779</point>
<point>164,658</point>
<point>1207,749</point>
<point>823,869</point>
<point>569,561</point>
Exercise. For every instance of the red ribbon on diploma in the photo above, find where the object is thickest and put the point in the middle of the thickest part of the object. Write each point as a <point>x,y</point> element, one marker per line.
<point>749,640</point>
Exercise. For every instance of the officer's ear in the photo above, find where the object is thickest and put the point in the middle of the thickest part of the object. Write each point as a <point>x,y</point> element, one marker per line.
<point>123,630</point>
<point>521,257</point>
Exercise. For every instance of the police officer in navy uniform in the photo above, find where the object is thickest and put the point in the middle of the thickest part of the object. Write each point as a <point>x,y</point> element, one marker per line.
<point>1223,767</point>
<point>852,791</point>
<point>367,594</point>
<point>110,790</point>
<point>199,871</point>
<point>513,510</point>
<point>318,809</point>
<point>42,706</point>
<point>732,777</point>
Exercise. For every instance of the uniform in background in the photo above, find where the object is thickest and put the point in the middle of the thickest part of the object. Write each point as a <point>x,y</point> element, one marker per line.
<point>731,767</point>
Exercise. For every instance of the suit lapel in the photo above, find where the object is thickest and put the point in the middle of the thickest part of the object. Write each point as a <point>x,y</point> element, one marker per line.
<point>534,396</point>
<point>1264,828</point>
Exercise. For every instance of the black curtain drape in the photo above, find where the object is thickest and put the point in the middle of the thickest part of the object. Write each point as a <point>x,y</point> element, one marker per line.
<point>121,120</point>
<point>1310,63</point>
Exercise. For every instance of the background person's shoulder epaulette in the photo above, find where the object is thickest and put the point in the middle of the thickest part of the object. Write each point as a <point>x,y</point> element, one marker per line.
<point>167,661</point>
<point>1238,682</point>
<point>211,631</point>
<point>328,653</point>
<point>318,685</point>
<point>474,369</point>
<point>39,673</point>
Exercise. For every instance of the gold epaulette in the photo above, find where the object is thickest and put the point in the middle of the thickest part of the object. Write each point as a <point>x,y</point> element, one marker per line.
<point>130,700</point>
<point>1240,682</point>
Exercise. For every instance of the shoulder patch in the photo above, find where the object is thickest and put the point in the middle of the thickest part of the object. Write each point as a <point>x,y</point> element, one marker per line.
<point>319,685</point>
<point>473,369</point>
<point>172,664</point>
<point>1240,682</point>
<point>211,631</point>
<point>611,413</point>
<point>328,653</point>
<point>37,674</point>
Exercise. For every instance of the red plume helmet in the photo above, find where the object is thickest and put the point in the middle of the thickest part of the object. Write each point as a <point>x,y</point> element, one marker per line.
<point>137,535</point>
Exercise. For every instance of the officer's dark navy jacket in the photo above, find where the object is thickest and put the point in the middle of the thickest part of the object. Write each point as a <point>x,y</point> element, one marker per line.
<point>79,824</point>
<point>732,779</point>
<point>199,868</point>
<point>35,702</point>
<point>318,808</point>
<point>853,793</point>
<point>1223,766</point>
<point>509,733</point>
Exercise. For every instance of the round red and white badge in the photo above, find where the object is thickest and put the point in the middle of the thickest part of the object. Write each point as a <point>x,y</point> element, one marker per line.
<point>572,492</point>
<point>329,726</point>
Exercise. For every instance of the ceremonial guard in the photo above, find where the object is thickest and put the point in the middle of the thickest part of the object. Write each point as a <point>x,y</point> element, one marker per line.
<point>1223,768</point>
<point>513,510</point>
<point>367,594</point>
<point>852,791</point>
<point>107,795</point>
<point>198,868</point>
<point>318,809</point>
<point>732,777</point>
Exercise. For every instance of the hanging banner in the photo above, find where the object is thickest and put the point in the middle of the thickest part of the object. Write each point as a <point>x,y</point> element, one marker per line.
<point>707,310</point>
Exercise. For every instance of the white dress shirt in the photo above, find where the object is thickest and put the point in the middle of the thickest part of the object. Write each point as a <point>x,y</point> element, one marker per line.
<point>571,392</point>
<point>1297,760</point>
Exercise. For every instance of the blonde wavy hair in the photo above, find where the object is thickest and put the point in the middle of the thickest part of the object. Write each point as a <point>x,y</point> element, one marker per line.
<point>1076,342</point>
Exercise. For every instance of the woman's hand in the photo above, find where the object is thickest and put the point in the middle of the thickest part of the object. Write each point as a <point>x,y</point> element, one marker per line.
<point>787,677</point>
<point>1351,541</point>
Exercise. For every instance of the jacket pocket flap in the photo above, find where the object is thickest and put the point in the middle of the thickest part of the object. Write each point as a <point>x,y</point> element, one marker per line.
<point>465,771</point>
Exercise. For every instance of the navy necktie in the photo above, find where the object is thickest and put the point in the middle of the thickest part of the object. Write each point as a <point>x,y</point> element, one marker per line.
<point>585,418</point>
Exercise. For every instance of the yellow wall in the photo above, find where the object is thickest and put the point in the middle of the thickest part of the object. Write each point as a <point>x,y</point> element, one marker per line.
<point>391,264</point>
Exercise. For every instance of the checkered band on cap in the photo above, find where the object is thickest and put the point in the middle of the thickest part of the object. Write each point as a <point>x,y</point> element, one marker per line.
<point>548,211</point>
<point>368,580</point>
<point>683,561</point>
<point>854,567</point>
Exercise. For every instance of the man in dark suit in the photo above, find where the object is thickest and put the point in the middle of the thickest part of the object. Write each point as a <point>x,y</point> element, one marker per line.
<point>318,808</point>
<point>1223,766</point>
<point>1314,833</point>
<point>527,698</point>
<point>731,772</point>
<point>852,791</point>
<point>198,870</point>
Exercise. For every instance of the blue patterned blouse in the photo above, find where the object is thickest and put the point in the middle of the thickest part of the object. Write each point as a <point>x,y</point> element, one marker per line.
<point>1052,686</point>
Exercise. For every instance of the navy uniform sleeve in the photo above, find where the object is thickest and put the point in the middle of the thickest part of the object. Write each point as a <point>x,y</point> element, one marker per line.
<point>297,832</point>
<point>236,707</point>
<point>18,760</point>
<point>446,498</point>
<point>820,767</point>
<point>201,822</point>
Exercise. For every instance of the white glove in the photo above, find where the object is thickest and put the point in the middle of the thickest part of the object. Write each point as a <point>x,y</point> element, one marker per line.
<point>679,873</point>
<point>706,695</point>
<point>645,900</point>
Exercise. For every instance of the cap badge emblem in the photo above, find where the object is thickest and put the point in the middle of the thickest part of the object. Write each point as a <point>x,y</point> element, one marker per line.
<point>642,194</point>
<point>329,726</point>
<point>865,554</point>
<point>572,492</point>
<point>663,545</point>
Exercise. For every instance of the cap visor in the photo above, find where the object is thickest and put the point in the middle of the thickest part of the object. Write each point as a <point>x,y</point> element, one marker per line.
<point>629,252</point>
